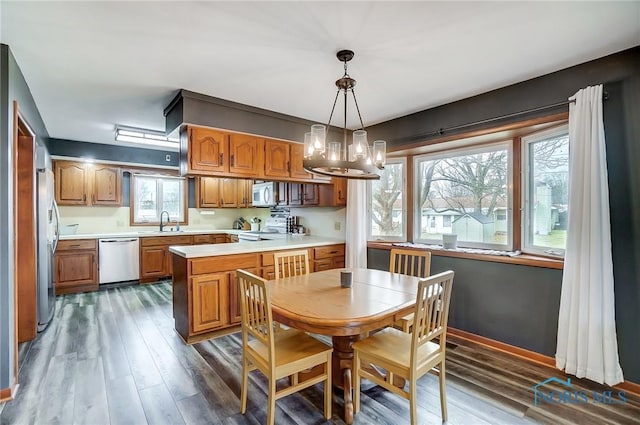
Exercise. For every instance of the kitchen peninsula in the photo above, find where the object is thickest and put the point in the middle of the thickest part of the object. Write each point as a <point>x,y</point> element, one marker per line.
<point>206,302</point>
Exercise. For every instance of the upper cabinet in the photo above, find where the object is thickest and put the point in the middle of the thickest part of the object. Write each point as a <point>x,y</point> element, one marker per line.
<point>223,192</point>
<point>208,150</point>
<point>276,158</point>
<point>78,183</point>
<point>217,152</point>
<point>212,152</point>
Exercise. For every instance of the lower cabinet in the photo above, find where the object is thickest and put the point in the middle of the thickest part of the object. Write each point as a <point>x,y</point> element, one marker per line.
<point>210,301</point>
<point>328,257</point>
<point>206,298</point>
<point>155,259</point>
<point>76,266</point>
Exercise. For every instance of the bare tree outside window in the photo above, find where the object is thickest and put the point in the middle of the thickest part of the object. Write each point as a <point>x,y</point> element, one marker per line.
<point>387,204</point>
<point>462,194</point>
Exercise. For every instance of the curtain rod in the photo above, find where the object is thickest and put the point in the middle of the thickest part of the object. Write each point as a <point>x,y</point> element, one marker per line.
<point>441,131</point>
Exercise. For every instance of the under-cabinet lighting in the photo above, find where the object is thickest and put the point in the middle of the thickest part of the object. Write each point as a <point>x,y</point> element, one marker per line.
<point>145,137</point>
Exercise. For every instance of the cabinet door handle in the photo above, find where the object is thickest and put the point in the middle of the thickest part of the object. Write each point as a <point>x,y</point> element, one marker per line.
<point>84,198</point>
<point>232,160</point>
<point>288,167</point>
<point>339,194</point>
<point>221,158</point>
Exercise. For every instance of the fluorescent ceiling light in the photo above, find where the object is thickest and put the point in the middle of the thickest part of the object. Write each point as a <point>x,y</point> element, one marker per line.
<point>145,137</point>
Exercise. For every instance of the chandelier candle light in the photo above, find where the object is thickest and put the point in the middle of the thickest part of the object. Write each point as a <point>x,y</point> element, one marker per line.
<point>358,161</point>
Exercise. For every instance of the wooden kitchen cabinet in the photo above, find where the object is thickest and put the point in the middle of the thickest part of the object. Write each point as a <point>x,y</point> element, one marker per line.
<point>206,289</point>
<point>276,159</point>
<point>218,152</point>
<point>78,183</point>
<point>71,182</point>
<point>223,192</point>
<point>328,257</point>
<point>297,171</point>
<point>155,259</point>
<point>301,194</point>
<point>228,192</point>
<point>210,301</point>
<point>335,194</point>
<point>207,192</point>
<point>210,239</point>
<point>206,300</point>
<point>76,266</point>
<point>207,150</point>
<point>245,193</point>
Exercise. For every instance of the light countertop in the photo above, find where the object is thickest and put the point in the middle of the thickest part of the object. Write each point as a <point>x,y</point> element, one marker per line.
<point>291,242</point>
<point>147,233</point>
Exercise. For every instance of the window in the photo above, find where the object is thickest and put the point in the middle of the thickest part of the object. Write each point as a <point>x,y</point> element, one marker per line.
<point>464,192</point>
<point>151,195</point>
<point>387,205</point>
<point>545,191</point>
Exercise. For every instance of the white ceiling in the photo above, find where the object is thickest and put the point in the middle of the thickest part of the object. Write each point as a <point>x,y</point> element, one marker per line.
<point>93,65</point>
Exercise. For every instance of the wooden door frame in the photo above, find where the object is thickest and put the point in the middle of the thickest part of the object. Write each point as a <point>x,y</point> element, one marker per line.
<point>21,129</point>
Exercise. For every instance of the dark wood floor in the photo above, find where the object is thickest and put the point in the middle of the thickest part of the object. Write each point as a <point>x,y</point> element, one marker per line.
<point>112,357</point>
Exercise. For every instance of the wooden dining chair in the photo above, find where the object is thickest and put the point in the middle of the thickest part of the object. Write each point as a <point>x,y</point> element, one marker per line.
<point>410,356</point>
<point>291,263</point>
<point>413,263</point>
<point>277,354</point>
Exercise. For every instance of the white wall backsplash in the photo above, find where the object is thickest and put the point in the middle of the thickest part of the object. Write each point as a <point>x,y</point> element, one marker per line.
<point>116,219</point>
<point>322,221</point>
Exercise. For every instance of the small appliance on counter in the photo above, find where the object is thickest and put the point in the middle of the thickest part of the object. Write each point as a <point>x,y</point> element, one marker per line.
<point>277,226</point>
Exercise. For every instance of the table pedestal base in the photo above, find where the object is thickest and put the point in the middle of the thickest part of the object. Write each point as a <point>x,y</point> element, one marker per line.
<point>342,367</point>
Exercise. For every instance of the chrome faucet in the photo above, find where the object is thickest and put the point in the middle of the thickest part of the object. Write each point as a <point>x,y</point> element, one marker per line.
<point>168,219</point>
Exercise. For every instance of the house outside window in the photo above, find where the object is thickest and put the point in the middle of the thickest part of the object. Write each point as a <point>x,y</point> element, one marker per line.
<point>468,186</point>
<point>150,195</point>
<point>545,191</point>
<point>387,203</point>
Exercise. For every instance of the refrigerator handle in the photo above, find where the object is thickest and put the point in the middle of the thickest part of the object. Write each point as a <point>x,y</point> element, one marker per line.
<point>55,208</point>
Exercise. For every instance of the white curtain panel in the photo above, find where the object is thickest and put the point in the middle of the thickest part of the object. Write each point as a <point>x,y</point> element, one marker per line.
<point>356,223</point>
<point>587,345</point>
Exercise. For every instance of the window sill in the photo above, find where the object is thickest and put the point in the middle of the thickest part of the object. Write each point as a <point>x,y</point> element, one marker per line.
<point>522,259</point>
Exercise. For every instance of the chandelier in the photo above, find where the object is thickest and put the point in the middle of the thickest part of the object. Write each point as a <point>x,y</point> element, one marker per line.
<point>358,160</point>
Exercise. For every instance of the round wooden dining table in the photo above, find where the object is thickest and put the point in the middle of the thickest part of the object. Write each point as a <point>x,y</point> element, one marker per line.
<point>317,303</point>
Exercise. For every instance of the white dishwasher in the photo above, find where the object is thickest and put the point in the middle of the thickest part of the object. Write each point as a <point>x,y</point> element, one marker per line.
<point>119,259</point>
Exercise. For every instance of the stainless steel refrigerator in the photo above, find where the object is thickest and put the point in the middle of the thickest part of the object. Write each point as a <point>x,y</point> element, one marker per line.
<point>48,219</point>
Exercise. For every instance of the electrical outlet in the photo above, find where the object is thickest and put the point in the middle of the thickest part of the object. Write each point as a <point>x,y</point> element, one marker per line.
<point>167,158</point>
<point>336,225</point>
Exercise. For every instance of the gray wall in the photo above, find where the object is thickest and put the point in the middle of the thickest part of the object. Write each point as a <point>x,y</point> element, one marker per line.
<point>516,304</point>
<point>506,302</point>
<point>12,87</point>
<point>106,152</point>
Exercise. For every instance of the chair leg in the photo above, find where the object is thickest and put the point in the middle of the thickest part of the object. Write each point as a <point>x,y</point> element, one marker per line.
<point>328,390</point>
<point>245,382</point>
<point>271,409</point>
<point>356,382</point>
<point>412,402</point>
<point>443,392</point>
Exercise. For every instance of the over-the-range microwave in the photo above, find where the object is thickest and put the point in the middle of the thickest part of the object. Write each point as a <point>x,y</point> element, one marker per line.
<point>264,194</point>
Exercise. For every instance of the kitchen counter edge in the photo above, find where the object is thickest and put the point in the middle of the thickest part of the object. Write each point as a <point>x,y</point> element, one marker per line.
<point>145,234</point>
<point>291,242</point>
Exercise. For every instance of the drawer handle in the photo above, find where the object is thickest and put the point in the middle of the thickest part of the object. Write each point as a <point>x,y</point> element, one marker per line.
<point>333,252</point>
<point>74,246</point>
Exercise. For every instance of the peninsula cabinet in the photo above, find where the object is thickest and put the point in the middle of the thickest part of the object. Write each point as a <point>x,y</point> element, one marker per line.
<point>205,294</point>
<point>76,266</point>
<point>328,257</point>
<point>206,302</point>
<point>78,183</point>
<point>223,153</point>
